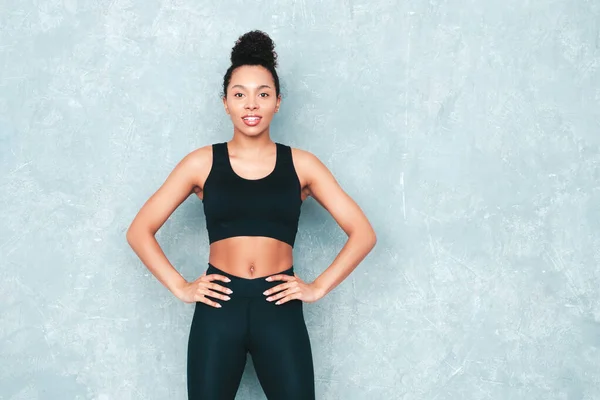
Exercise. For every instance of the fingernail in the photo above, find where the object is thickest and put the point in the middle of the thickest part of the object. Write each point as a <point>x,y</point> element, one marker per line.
<point>218,305</point>
<point>228,280</point>
<point>277,303</point>
<point>269,299</point>
<point>268,278</point>
<point>229,291</point>
<point>265,292</point>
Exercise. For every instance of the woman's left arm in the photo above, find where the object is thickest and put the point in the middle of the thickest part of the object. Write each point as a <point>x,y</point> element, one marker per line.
<point>323,187</point>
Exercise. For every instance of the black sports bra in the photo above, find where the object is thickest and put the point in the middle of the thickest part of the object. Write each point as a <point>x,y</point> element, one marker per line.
<point>236,206</point>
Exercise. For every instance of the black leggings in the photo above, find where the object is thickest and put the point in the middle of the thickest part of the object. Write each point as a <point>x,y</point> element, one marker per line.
<point>274,335</point>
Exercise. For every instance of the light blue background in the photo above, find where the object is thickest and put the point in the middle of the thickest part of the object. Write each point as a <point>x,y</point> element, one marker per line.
<point>468,131</point>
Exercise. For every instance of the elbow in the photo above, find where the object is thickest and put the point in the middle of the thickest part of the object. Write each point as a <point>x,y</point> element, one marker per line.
<point>366,236</point>
<point>129,236</point>
<point>373,239</point>
<point>371,236</point>
<point>134,232</point>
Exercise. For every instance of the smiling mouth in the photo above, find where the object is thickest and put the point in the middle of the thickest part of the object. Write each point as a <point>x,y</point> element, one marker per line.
<point>251,120</point>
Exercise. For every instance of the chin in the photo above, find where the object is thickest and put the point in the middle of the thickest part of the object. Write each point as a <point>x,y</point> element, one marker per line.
<point>252,131</point>
<point>257,133</point>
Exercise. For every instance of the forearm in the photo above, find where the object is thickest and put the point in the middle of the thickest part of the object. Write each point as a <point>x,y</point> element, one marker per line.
<point>354,251</point>
<point>145,245</point>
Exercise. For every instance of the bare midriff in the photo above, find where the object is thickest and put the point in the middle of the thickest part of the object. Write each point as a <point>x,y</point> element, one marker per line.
<point>251,256</point>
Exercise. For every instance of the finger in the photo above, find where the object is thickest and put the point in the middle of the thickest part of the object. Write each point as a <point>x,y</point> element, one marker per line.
<point>202,281</point>
<point>213,277</point>
<point>283,294</point>
<point>280,277</point>
<point>293,296</point>
<point>215,286</point>
<point>209,302</point>
<point>280,287</point>
<point>215,295</point>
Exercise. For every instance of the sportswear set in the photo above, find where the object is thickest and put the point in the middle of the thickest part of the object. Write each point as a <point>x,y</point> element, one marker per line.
<point>274,335</point>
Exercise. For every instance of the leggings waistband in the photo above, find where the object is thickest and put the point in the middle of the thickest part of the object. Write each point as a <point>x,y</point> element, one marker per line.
<point>246,287</point>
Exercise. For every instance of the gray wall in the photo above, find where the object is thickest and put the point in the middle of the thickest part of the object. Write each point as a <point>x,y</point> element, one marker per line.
<point>468,131</point>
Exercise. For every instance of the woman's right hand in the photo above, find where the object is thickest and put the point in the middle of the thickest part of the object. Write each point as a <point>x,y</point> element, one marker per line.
<point>196,291</point>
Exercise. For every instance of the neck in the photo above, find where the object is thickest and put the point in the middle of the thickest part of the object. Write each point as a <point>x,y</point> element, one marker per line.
<point>244,142</point>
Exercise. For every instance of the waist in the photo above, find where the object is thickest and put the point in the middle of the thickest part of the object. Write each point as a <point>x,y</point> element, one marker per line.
<point>236,255</point>
<point>247,287</point>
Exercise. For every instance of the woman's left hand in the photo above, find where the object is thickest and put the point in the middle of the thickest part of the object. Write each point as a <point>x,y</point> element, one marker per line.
<point>294,288</point>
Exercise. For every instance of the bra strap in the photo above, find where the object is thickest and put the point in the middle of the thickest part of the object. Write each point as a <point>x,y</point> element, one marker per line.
<point>219,155</point>
<point>285,157</point>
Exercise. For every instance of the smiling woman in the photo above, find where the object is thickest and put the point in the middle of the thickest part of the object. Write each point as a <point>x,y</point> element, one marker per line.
<point>252,190</point>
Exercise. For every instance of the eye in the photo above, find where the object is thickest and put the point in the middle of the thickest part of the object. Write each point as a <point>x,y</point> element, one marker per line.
<point>236,95</point>
<point>265,95</point>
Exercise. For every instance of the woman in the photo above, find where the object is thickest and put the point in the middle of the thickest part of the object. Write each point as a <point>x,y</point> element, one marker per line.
<point>249,300</point>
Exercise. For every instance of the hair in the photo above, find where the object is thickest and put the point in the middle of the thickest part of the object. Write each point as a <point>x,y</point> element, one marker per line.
<point>253,48</point>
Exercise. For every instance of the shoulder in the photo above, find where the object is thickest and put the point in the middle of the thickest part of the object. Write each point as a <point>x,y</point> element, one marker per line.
<point>197,164</point>
<point>304,157</point>
<point>199,158</point>
<point>308,164</point>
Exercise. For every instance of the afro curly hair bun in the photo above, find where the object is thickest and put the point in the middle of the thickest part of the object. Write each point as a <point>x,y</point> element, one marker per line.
<point>253,47</point>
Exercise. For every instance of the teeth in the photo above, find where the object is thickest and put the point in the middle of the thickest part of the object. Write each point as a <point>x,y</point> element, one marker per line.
<point>251,118</point>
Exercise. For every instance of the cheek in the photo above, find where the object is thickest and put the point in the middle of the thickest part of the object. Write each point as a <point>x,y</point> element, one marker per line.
<point>234,108</point>
<point>269,106</point>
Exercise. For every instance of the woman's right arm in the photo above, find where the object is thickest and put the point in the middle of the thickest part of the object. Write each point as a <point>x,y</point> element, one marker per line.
<point>180,183</point>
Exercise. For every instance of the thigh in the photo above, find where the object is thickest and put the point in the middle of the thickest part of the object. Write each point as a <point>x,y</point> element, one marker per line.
<point>281,351</point>
<point>216,351</point>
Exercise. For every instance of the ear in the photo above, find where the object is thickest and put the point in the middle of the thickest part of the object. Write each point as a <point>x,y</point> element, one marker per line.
<point>278,103</point>
<point>225,104</point>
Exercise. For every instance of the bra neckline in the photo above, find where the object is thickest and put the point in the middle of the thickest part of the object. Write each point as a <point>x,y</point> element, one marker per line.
<point>228,160</point>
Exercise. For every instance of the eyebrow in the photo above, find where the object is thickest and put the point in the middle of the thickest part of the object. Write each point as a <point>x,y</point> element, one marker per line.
<point>244,88</point>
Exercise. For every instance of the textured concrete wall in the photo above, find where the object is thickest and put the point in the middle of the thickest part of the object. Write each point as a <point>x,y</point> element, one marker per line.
<point>468,131</point>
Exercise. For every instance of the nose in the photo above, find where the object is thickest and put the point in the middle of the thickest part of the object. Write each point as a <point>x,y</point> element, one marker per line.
<point>251,104</point>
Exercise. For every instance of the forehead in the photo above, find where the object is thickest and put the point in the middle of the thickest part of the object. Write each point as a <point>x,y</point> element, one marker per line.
<point>251,76</point>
